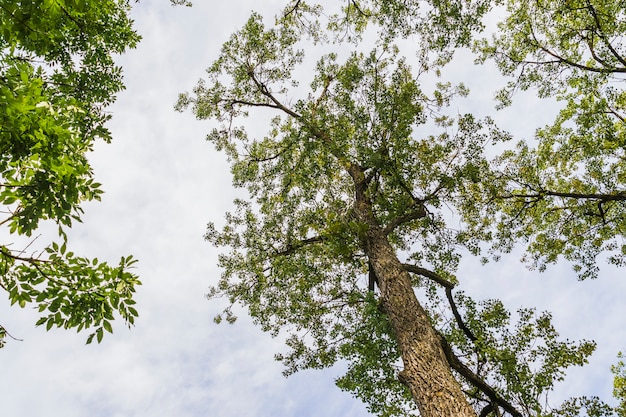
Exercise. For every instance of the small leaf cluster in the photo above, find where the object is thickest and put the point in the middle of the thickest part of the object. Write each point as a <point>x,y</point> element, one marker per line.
<point>619,384</point>
<point>72,291</point>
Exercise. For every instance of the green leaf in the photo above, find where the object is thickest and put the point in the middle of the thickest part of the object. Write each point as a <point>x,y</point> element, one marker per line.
<point>107,326</point>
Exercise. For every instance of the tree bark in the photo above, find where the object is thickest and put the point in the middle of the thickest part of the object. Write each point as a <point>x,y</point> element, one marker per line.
<point>426,372</point>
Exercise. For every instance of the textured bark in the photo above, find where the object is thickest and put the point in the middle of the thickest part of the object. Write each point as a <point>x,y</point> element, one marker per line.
<point>426,372</point>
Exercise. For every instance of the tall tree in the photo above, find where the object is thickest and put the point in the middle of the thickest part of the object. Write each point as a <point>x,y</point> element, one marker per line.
<point>346,221</point>
<point>57,75</point>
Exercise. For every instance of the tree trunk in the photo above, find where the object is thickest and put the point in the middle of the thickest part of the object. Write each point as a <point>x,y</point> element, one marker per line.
<point>426,371</point>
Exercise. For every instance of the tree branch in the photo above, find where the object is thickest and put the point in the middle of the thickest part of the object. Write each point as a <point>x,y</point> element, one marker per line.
<point>372,279</point>
<point>3,329</point>
<point>429,274</point>
<point>266,92</point>
<point>616,114</point>
<point>417,213</point>
<point>592,51</point>
<point>292,248</point>
<point>475,380</point>
<point>358,8</point>
<point>458,318</point>
<point>448,287</point>
<point>253,104</point>
<point>80,25</point>
<point>34,261</point>
<point>571,63</point>
<point>293,9</point>
<point>453,360</point>
<point>601,34</point>
<point>486,410</point>
<point>21,21</point>
<point>618,196</point>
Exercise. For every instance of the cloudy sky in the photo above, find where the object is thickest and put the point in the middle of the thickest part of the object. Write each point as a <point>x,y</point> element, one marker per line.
<point>163,183</point>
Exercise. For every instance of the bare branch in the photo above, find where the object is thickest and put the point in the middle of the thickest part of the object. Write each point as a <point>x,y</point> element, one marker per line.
<point>5,331</point>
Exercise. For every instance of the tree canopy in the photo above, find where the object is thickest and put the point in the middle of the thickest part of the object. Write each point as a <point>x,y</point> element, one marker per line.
<point>57,76</point>
<point>346,243</point>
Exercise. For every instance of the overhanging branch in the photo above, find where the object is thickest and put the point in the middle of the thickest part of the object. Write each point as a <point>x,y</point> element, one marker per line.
<point>34,261</point>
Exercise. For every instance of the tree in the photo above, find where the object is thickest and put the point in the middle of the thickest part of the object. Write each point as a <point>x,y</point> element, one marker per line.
<point>346,215</point>
<point>58,75</point>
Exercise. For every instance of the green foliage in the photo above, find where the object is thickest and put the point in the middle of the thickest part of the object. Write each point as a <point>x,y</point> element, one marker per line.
<point>373,359</point>
<point>442,25</point>
<point>523,359</point>
<point>619,384</point>
<point>368,106</point>
<point>57,75</point>
<point>565,193</point>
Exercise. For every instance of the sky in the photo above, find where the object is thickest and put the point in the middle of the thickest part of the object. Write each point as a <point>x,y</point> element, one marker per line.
<point>163,184</point>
